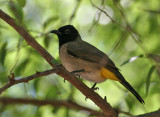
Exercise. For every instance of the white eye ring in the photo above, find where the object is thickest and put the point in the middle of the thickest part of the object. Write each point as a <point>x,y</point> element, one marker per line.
<point>67,31</point>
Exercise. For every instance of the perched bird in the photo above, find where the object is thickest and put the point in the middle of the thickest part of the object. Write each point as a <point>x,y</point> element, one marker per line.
<point>78,56</point>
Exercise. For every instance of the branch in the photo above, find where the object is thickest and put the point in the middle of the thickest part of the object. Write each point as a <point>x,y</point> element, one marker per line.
<point>99,101</point>
<point>151,114</point>
<point>75,10</point>
<point>55,103</point>
<point>13,81</point>
<point>107,15</point>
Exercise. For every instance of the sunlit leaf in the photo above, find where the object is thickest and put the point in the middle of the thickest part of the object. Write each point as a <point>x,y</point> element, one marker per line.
<point>132,59</point>
<point>52,93</point>
<point>22,3</point>
<point>149,78</point>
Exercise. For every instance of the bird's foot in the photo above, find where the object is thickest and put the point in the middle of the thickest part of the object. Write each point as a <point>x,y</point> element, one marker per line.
<point>105,98</point>
<point>94,87</point>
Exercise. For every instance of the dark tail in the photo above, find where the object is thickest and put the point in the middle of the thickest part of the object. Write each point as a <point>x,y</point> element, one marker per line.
<point>130,88</point>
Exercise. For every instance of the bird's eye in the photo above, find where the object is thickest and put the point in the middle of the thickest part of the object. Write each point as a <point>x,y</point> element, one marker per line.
<point>67,31</point>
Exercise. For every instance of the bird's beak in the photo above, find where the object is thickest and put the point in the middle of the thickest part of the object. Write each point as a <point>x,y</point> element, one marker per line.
<point>56,32</point>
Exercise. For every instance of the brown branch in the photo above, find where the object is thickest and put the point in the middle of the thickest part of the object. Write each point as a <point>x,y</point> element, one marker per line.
<point>151,114</point>
<point>55,103</point>
<point>13,81</point>
<point>99,101</point>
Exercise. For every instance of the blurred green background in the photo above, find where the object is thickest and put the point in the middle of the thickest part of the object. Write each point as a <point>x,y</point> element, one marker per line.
<point>138,49</point>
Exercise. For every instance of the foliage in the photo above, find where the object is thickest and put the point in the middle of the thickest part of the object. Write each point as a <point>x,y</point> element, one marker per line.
<point>127,30</point>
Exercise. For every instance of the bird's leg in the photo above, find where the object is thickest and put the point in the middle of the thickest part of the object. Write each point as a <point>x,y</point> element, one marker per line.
<point>94,87</point>
<point>76,71</point>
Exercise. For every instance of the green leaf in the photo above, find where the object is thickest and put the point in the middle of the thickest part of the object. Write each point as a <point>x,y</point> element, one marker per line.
<point>149,78</point>
<point>55,61</point>
<point>22,3</point>
<point>47,40</point>
<point>49,20</point>
<point>20,68</point>
<point>131,59</point>
<point>3,52</point>
<point>16,10</point>
<point>55,110</point>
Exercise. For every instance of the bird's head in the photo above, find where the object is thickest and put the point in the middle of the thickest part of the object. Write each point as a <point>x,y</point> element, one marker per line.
<point>66,34</point>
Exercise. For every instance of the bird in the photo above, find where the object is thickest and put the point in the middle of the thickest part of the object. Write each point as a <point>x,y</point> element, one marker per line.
<point>91,64</point>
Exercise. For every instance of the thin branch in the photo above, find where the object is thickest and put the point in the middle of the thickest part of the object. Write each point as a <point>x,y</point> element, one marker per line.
<point>152,11</point>
<point>99,16</point>
<point>136,39</point>
<point>151,114</point>
<point>123,112</point>
<point>107,15</point>
<point>26,79</point>
<point>130,30</point>
<point>75,10</point>
<point>99,101</point>
<point>55,103</point>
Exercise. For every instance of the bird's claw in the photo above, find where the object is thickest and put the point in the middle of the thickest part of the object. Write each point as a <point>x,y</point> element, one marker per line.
<point>105,98</point>
<point>94,87</point>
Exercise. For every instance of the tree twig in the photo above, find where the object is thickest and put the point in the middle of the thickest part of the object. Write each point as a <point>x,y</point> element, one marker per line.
<point>26,79</point>
<point>151,114</point>
<point>107,15</point>
<point>75,11</point>
<point>55,103</point>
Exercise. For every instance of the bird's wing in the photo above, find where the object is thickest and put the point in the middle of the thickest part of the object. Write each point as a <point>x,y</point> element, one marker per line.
<point>83,50</point>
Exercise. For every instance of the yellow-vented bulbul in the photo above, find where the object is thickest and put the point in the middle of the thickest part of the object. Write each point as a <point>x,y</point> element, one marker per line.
<point>91,64</point>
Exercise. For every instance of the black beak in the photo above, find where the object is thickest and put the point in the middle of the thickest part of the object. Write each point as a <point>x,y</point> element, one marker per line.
<point>56,32</point>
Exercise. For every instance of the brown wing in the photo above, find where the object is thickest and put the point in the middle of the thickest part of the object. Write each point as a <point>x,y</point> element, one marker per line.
<point>83,50</point>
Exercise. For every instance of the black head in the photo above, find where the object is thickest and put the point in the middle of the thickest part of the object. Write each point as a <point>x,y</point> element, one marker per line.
<point>66,34</point>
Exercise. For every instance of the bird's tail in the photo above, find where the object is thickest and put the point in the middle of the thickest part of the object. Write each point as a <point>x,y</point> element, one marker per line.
<point>131,89</point>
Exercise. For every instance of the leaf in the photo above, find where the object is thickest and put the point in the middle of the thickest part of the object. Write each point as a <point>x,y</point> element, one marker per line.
<point>47,40</point>
<point>52,93</point>
<point>21,67</point>
<point>3,52</point>
<point>149,78</point>
<point>55,110</point>
<point>16,10</point>
<point>55,61</point>
<point>131,59</point>
<point>22,3</point>
<point>49,20</point>
<point>36,84</point>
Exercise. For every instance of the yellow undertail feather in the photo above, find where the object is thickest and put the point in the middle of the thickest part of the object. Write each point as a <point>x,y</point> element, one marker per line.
<point>108,74</point>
